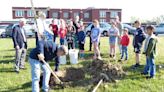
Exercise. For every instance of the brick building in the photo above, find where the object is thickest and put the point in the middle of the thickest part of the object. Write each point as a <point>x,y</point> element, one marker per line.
<point>87,15</point>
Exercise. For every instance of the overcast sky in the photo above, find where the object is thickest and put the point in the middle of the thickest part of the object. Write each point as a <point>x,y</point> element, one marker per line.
<point>145,9</point>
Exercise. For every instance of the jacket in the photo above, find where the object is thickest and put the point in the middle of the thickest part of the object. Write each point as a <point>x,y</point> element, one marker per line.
<point>54,29</point>
<point>139,37</point>
<point>81,36</point>
<point>47,48</point>
<point>125,40</point>
<point>17,37</point>
<point>62,33</point>
<point>150,50</point>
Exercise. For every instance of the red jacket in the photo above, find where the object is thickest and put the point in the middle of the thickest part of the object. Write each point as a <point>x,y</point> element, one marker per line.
<point>125,40</point>
<point>54,29</point>
<point>62,33</point>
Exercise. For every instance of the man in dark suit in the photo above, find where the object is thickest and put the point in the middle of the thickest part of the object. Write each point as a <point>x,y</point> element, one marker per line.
<point>20,44</point>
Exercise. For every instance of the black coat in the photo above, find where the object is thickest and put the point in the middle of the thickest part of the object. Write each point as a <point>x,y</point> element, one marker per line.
<point>18,37</point>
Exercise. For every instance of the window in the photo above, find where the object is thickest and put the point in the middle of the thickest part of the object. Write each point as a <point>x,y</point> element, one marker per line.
<point>19,13</point>
<point>102,14</point>
<point>86,15</point>
<point>102,20</point>
<point>30,13</point>
<point>55,15</point>
<point>76,14</point>
<point>113,14</point>
<point>66,15</point>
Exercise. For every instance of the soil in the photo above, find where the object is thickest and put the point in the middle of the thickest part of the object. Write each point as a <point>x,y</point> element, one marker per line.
<point>109,72</point>
<point>97,69</point>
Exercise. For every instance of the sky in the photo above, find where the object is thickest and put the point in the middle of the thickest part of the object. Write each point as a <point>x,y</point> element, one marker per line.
<point>143,9</point>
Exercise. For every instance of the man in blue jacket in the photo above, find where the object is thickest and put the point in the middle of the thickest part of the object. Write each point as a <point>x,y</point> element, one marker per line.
<point>45,50</point>
<point>139,37</point>
<point>20,44</point>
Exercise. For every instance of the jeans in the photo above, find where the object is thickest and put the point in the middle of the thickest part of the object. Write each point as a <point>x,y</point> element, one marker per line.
<point>36,67</point>
<point>20,58</point>
<point>61,41</point>
<point>124,51</point>
<point>150,65</point>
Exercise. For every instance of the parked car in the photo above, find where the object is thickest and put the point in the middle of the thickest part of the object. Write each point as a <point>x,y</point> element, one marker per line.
<point>130,28</point>
<point>29,30</point>
<point>104,27</point>
<point>159,29</point>
<point>3,31</point>
<point>9,30</point>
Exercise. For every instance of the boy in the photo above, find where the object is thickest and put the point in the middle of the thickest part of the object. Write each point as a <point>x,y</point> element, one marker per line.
<point>81,39</point>
<point>124,43</point>
<point>150,51</point>
<point>46,52</point>
<point>139,37</point>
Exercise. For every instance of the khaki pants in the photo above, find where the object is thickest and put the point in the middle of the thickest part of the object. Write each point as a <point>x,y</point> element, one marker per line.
<point>20,58</point>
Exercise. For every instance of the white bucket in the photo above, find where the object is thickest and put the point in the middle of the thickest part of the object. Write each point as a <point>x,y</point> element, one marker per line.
<point>73,55</point>
<point>62,60</point>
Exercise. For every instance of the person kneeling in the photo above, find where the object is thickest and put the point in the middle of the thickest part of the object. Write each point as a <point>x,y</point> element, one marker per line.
<point>44,51</point>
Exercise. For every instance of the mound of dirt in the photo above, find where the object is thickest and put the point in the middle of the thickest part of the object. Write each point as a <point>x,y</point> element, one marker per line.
<point>113,72</point>
<point>97,69</point>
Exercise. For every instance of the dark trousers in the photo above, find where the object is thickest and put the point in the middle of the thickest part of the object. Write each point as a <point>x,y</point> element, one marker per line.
<point>71,46</point>
<point>55,38</point>
<point>56,64</point>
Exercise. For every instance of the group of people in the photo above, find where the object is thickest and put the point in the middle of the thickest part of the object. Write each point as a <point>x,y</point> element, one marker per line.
<point>73,34</point>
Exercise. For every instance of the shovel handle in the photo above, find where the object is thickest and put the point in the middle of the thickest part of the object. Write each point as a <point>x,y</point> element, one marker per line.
<point>52,72</point>
<point>94,90</point>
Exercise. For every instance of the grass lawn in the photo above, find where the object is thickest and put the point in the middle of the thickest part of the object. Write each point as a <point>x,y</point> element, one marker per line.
<point>133,81</point>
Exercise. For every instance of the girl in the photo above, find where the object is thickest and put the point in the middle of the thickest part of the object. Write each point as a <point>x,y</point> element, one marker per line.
<point>70,35</point>
<point>81,39</point>
<point>95,36</point>
<point>62,31</point>
<point>113,34</point>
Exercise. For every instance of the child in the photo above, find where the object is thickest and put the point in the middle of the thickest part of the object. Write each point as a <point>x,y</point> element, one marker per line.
<point>70,36</point>
<point>139,37</point>
<point>95,35</point>
<point>113,34</point>
<point>150,51</point>
<point>62,32</point>
<point>124,43</point>
<point>81,39</point>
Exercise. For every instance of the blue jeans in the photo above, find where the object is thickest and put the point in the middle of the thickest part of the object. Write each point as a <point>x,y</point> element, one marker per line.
<point>124,51</point>
<point>36,67</point>
<point>61,41</point>
<point>150,65</point>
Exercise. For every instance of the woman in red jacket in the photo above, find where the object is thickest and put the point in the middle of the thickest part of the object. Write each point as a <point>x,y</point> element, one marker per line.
<point>62,31</point>
<point>125,40</point>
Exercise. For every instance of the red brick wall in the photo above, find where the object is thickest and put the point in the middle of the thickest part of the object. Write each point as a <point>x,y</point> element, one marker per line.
<point>93,13</point>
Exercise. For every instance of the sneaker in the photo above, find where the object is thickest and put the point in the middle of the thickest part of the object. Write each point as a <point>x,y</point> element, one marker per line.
<point>17,71</point>
<point>23,68</point>
<point>144,73</point>
<point>110,55</point>
<point>136,66</point>
<point>120,60</point>
<point>99,58</point>
<point>149,77</point>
